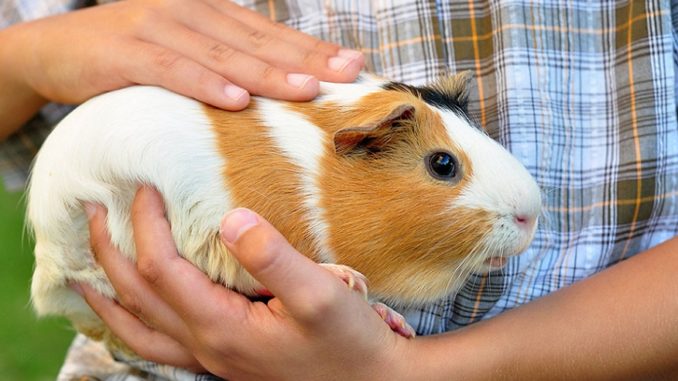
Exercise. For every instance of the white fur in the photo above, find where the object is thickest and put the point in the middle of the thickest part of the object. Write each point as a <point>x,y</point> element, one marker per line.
<point>303,143</point>
<point>500,184</point>
<point>100,153</point>
<point>345,94</point>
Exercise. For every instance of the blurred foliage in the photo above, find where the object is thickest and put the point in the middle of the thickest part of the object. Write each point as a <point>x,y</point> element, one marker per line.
<point>32,349</point>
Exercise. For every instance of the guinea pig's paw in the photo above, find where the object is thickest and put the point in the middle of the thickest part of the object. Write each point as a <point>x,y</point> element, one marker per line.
<point>394,320</point>
<point>353,279</point>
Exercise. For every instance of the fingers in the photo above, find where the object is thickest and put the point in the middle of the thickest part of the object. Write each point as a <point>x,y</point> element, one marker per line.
<point>174,279</point>
<point>278,46</point>
<point>132,291</point>
<point>158,302</point>
<point>136,334</point>
<point>262,78</point>
<point>249,17</point>
<point>289,275</point>
<point>156,65</point>
<point>240,46</point>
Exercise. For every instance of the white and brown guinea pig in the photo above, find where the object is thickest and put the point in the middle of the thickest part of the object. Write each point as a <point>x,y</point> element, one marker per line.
<point>392,180</point>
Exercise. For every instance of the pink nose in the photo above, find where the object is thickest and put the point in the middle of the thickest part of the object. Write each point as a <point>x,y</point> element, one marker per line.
<point>523,220</point>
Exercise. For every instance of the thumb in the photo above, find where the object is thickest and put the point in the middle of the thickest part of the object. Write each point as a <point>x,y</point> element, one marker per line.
<point>293,278</point>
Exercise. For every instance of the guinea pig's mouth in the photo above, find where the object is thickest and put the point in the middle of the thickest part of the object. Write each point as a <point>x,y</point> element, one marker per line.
<point>495,263</point>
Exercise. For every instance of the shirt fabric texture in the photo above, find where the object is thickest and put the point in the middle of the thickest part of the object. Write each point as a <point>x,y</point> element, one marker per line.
<point>582,93</point>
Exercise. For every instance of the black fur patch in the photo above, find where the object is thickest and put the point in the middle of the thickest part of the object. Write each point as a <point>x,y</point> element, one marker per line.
<point>433,96</point>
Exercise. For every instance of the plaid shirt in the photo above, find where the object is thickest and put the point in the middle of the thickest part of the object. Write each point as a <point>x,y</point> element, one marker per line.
<point>583,93</point>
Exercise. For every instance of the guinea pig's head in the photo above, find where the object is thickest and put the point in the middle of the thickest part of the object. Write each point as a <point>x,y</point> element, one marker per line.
<point>418,197</point>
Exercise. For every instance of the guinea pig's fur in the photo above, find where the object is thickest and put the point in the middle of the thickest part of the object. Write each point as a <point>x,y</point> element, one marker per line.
<point>351,177</point>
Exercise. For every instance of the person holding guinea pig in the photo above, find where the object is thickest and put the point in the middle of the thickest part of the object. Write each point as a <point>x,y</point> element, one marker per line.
<point>583,94</point>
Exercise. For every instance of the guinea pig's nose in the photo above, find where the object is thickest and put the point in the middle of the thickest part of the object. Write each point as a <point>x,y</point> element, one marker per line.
<point>525,221</point>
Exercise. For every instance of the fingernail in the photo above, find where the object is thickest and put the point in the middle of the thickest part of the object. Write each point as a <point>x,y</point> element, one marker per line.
<point>234,92</point>
<point>90,210</point>
<point>77,288</point>
<point>344,59</point>
<point>236,223</point>
<point>299,80</point>
<point>338,63</point>
<point>350,54</point>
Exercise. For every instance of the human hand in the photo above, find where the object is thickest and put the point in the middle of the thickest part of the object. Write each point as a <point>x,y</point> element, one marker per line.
<point>211,50</point>
<point>314,327</point>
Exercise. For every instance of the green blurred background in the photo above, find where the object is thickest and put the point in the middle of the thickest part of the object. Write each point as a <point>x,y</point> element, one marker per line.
<point>31,349</point>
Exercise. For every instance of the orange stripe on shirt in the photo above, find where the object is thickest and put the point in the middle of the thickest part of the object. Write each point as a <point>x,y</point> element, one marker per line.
<point>479,298</point>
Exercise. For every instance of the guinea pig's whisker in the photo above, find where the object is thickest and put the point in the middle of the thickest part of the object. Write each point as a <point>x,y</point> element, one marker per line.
<point>463,271</point>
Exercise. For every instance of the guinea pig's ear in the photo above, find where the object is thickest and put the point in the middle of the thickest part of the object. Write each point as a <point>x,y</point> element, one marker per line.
<point>455,87</point>
<point>373,136</point>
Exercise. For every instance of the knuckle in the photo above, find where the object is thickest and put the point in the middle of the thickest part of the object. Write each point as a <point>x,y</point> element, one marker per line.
<point>142,18</point>
<point>325,47</point>
<point>312,58</point>
<point>325,302</point>
<point>268,73</point>
<point>166,60</point>
<point>259,39</point>
<point>319,45</point>
<point>280,27</point>
<point>221,53</point>
<point>207,338</point>
<point>204,79</point>
<point>131,303</point>
<point>149,270</point>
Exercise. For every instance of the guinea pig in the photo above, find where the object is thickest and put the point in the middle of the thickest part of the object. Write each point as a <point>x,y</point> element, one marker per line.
<point>392,180</point>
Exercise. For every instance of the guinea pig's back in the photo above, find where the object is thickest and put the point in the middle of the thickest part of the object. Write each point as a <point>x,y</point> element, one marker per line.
<point>100,153</point>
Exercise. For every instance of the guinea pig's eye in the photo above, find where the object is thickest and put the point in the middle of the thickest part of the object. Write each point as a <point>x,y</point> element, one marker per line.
<point>442,165</point>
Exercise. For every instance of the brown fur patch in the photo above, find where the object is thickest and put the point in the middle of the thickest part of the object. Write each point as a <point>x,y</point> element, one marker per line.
<point>259,177</point>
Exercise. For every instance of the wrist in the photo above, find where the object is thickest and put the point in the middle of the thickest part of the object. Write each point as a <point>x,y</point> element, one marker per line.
<point>18,100</point>
<point>464,354</point>
<point>427,358</point>
<point>397,359</point>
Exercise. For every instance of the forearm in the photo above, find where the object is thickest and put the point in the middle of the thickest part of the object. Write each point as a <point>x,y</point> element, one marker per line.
<point>18,101</point>
<point>620,324</point>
